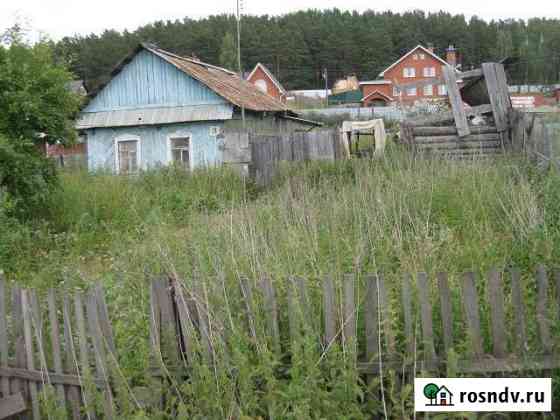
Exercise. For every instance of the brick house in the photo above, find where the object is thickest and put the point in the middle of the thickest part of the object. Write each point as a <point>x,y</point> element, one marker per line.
<point>418,64</point>
<point>264,80</point>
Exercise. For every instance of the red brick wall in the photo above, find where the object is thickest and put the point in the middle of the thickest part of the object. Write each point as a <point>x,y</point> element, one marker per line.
<point>271,88</point>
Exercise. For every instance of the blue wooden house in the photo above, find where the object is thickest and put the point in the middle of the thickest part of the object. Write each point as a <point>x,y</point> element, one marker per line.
<point>159,108</point>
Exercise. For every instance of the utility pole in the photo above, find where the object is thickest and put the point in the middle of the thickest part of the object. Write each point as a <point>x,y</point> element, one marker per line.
<point>326,77</point>
<point>239,6</point>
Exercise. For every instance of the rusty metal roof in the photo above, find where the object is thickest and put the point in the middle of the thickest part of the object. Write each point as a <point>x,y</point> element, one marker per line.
<point>224,82</point>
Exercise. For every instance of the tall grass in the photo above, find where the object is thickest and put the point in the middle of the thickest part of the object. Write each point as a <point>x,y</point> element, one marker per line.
<point>393,215</point>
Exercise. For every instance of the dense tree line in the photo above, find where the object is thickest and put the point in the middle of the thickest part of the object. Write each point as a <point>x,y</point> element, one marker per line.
<point>297,46</point>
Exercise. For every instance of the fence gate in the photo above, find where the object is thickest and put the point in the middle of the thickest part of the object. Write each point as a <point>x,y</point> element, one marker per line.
<point>56,349</point>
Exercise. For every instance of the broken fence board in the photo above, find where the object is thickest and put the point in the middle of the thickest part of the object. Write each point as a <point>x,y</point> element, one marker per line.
<point>271,311</point>
<point>472,316</point>
<point>329,310</point>
<point>518,312</point>
<point>372,318</point>
<point>30,363</point>
<point>542,308</point>
<point>457,106</point>
<point>71,361</point>
<point>493,87</point>
<point>446,310</point>
<point>55,342</point>
<point>423,287</point>
<point>497,313</point>
<point>12,405</point>
<point>349,319</point>
<point>386,313</point>
<point>406,295</point>
<point>4,382</point>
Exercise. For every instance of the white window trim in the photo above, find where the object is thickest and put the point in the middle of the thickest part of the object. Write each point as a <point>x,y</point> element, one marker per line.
<point>123,138</point>
<point>431,90</point>
<point>429,72</point>
<point>412,91</point>
<point>179,135</point>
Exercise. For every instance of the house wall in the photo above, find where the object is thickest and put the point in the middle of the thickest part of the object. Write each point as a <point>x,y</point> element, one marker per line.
<point>386,90</point>
<point>271,88</point>
<point>206,149</point>
<point>396,76</point>
<point>148,80</point>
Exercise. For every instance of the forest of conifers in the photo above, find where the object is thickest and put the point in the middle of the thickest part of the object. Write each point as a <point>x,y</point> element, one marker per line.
<point>297,46</point>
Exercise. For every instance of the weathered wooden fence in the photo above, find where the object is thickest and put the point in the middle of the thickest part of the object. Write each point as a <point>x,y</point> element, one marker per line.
<point>259,155</point>
<point>408,326</point>
<point>56,347</point>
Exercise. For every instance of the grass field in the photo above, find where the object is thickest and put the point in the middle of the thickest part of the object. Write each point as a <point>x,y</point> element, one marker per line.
<point>393,215</point>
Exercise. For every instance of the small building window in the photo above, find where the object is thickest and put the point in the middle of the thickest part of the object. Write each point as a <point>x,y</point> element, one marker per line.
<point>396,91</point>
<point>442,90</point>
<point>422,56</point>
<point>411,91</point>
<point>429,71</point>
<point>180,152</point>
<point>409,72</point>
<point>127,156</point>
<point>428,90</point>
<point>261,85</point>
<point>415,56</point>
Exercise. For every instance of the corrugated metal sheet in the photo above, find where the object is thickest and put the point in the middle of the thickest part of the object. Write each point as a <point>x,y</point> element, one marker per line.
<point>154,115</point>
<point>224,82</point>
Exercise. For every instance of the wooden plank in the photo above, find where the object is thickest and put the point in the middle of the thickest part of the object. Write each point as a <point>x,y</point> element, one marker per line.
<point>469,74</point>
<point>456,139</point>
<point>71,361</point>
<point>168,333</point>
<point>329,310</point>
<point>247,295</point>
<point>386,314</point>
<point>55,342</point>
<point>472,316</point>
<point>451,130</point>
<point>484,365</point>
<point>18,334</point>
<point>104,320</point>
<point>500,116</point>
<point>203,311</point>
<point>456,101</point>
<point>372,318</point>
<point>101,367</point>
<point>503,90</point>
<point>518,312</point>
<point>349,319</point>
<point>557,283</point>
<point>12,405</point>
<point>30,363</point>
<point>424,288</point>
<point>459,146</point>
<point>271,311</point>
<point>84,357</point>
<point>308,320</point>
<point>293,310</point>
<point>497,313</point>
<point>155,322</point>
<point>446,310</point>
<point>185,322</point>
<point>406,295</point>
<point>4,382</point>
<point>542,308</point>
<point>34,375</point>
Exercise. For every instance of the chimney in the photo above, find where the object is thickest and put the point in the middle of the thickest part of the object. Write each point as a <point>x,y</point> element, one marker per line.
<point>431,47</point>
<point>451,56</point>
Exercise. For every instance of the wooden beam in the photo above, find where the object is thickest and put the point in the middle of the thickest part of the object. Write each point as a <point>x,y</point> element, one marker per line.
<point>12,405</point>
<point>40,376</point>
<point>447,139</point>
<point>448,116</point>
<point>456,102</point>
<point>451,130</point>
<point>469,74</point>
<point>495,87</point>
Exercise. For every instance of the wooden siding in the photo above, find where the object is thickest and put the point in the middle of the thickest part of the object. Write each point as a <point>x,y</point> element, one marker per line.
<point>153,144</point>
<point>150,81</point>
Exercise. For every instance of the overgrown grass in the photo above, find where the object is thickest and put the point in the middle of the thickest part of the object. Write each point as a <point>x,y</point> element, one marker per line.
<point>394,215</point>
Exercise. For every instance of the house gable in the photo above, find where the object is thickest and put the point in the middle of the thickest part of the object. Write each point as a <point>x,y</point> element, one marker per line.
<point>408,55</point>
<point>149,81</point>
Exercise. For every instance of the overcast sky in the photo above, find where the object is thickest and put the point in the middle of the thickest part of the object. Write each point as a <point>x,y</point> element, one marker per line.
<point>58,18</point>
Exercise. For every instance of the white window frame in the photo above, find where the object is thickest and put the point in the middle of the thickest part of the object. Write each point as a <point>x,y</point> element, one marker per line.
<point>442,90</point>
<point>123,138</point>
<point>422,56</point>
<point>429,72</point>
<point>396,91</point>
<point>409,72</point>
<point>428,90</point>
<point>415,56</point>
<point>411,91</point>
<point>180,135</point>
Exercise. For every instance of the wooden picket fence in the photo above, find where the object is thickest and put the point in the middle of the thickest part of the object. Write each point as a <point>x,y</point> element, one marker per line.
<point>54,346</point>
<point>363,314</point>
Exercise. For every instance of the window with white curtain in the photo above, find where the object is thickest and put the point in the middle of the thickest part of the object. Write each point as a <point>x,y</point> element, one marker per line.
<point>409,72</point>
